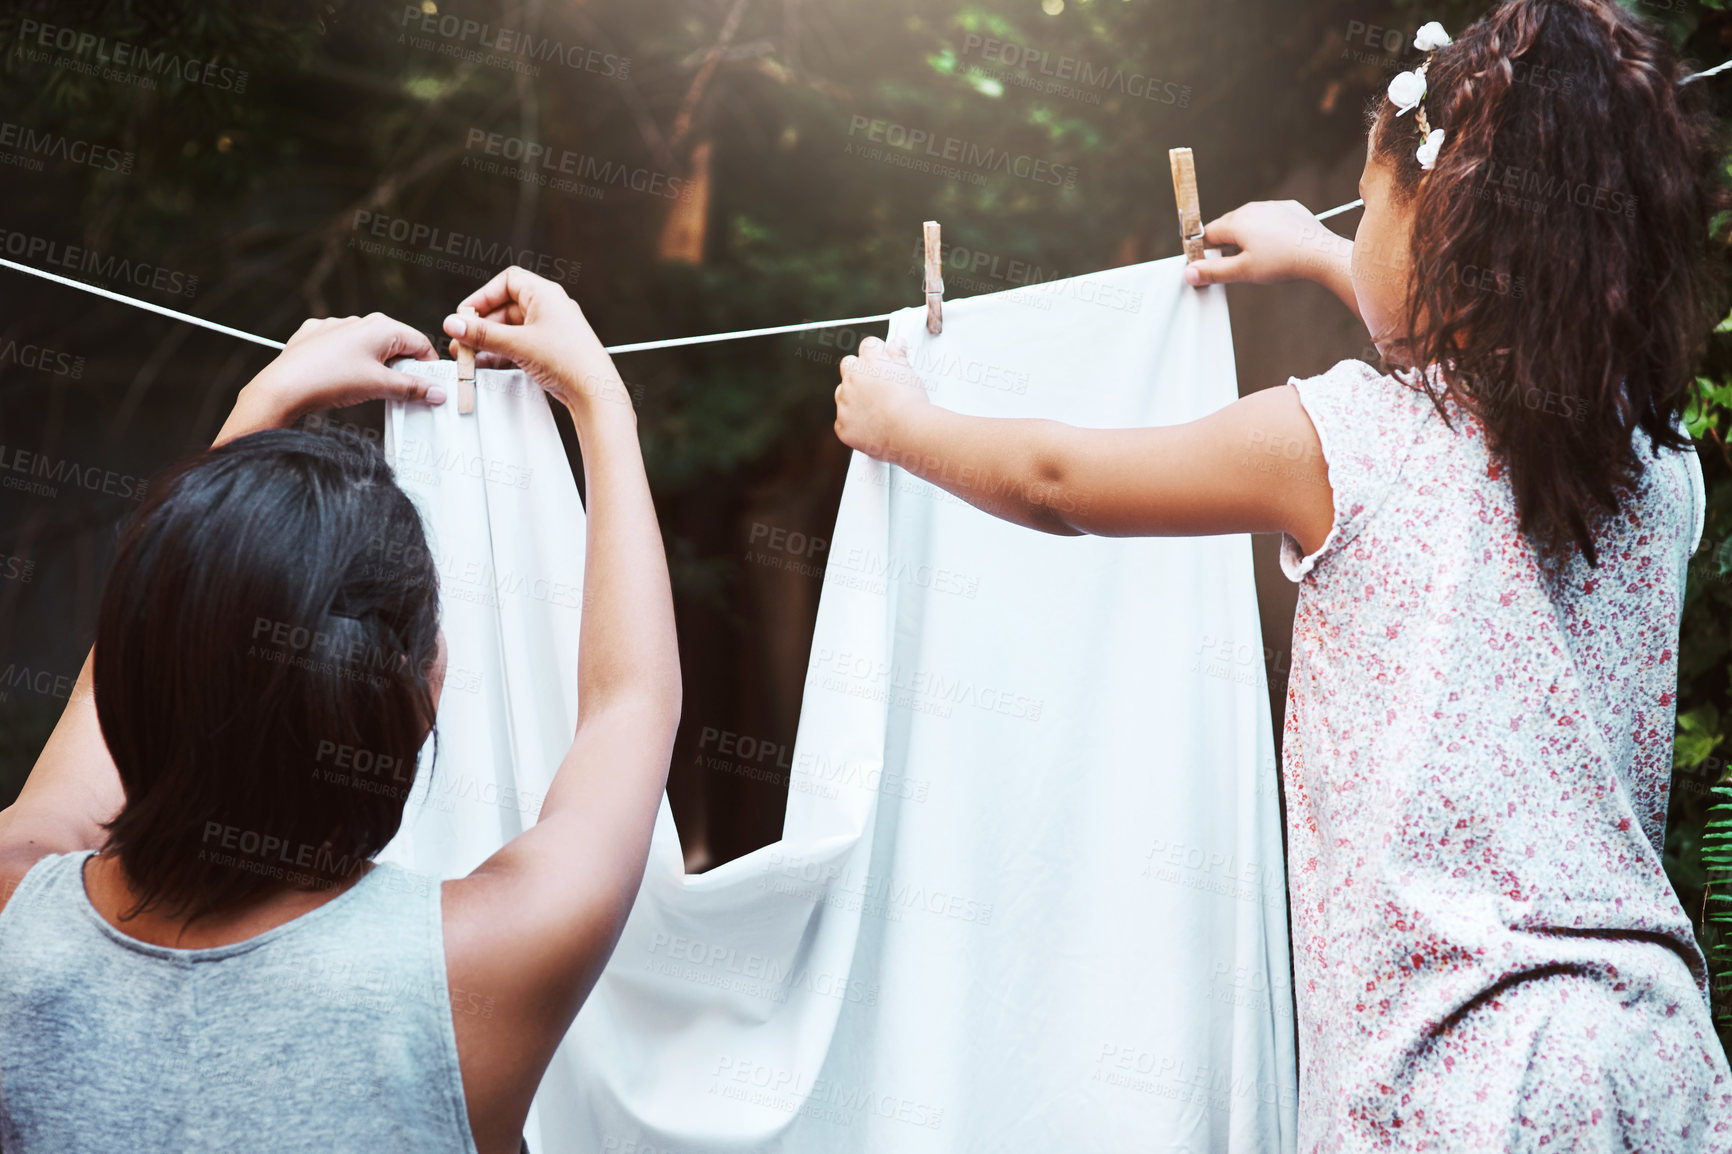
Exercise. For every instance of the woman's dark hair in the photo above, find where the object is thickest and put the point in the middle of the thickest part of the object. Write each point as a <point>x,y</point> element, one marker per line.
<point>262,665</point>
<point>1561,277</point>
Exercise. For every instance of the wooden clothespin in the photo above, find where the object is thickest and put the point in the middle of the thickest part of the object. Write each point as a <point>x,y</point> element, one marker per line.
<point>1190,210</point>
<point>465,370</point>
<point>934,280</point>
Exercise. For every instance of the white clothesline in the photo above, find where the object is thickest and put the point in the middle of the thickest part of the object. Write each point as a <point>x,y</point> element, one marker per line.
<point>638,347</point>
<point>644,346</point>
<point>186,318</point>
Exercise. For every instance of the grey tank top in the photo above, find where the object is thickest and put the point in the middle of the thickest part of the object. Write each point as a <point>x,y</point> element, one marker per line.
<point>328,1034</point>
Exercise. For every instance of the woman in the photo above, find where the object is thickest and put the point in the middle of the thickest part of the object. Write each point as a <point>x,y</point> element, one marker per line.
<point>196,951</point>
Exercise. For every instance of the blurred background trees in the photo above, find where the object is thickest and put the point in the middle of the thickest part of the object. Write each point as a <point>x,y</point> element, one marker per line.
<point>692,166</point>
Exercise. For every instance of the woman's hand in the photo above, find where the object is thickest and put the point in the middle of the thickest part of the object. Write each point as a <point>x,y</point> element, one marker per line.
<point>879,390</point>
<point>1279,240</point>
<point>528,321</point>
<point>330,364</point>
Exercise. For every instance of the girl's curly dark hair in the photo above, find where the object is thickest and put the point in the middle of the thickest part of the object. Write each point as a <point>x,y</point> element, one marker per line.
<point>1562,279</point>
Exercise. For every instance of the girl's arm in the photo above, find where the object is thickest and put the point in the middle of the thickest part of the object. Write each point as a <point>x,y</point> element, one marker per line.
<point>1279,240</point>
<point>74,789</point>
<point>531,928</point>
<point>1253,467</point>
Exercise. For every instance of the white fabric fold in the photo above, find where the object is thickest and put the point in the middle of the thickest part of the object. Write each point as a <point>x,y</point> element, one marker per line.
<point>1029,894</point>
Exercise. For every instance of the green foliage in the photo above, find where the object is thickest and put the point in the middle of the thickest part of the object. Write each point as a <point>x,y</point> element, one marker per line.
<point>1701,813</point>
<point>1706,416</point>
<point>349,111</point>
<point>1717,861</point>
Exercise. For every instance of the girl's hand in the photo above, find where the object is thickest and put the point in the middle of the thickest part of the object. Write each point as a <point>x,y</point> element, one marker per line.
<point>1279,240</point>
<point>528,321</point>
<point>879,390</point>
<point>330,364</point>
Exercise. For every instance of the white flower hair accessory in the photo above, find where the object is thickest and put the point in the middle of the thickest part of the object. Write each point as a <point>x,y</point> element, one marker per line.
<point>1428,151</point>
<point>1431,38</point>
<point>1408,90</point>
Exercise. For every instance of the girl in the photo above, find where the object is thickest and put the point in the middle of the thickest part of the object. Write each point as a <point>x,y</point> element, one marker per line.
<point>1491,546</point>
<point>195,951</point>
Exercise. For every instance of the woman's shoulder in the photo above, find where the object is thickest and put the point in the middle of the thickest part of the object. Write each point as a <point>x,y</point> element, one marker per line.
<point>24,866</point>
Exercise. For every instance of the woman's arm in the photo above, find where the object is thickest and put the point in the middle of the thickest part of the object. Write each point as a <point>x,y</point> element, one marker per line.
<point>74,789</point>
<point>70,792</point>
<point>1252,467</point>
<point>331,364</point>
<point>533,926</point>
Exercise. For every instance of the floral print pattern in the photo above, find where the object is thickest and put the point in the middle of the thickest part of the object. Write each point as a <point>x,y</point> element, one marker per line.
<point>1488,955</point>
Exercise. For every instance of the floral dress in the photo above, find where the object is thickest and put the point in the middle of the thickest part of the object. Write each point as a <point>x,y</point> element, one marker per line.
<point>1488,956</point>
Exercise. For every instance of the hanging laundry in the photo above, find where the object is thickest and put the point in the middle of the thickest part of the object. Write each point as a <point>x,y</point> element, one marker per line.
<point>1029,894</point>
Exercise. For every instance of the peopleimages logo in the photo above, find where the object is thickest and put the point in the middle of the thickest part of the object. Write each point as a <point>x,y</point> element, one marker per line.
<point>952,150</point>
<point>51,145</point>
<point>39,251</point>
<point>117,59</point>
<point>37,473</point>
<point>1070,75</point>
<point>506,46</point>
<point>539,159</point>
<point>1537,190</point>
<point>441,246</point>
<point>45,360</point>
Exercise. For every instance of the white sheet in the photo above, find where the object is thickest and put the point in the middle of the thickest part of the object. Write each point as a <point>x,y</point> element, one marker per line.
<point>1029,895</point>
